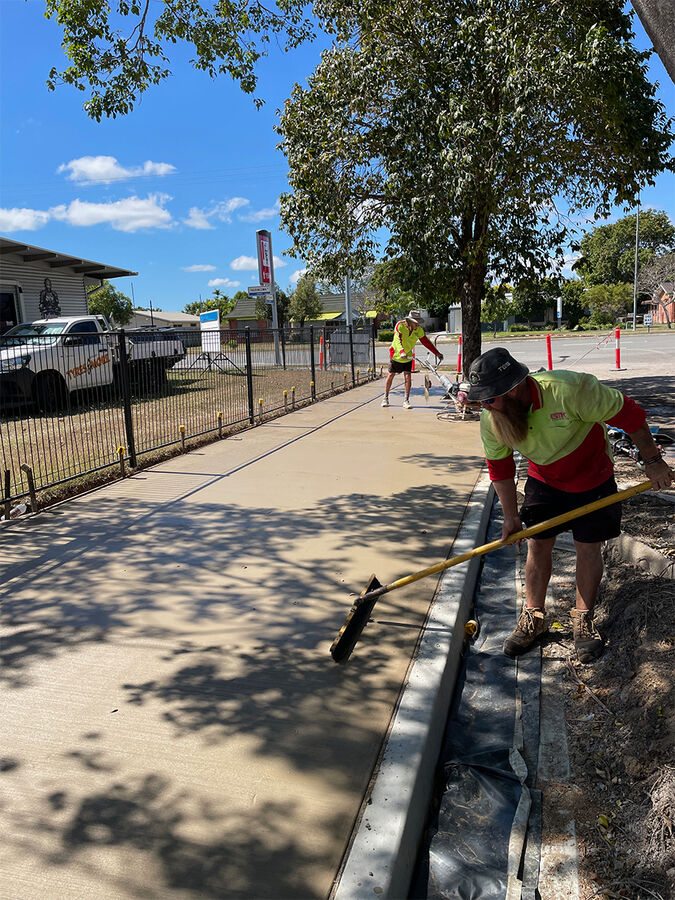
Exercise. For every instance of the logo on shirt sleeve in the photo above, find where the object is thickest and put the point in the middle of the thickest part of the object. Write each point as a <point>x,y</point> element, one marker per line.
<point>559,415</point>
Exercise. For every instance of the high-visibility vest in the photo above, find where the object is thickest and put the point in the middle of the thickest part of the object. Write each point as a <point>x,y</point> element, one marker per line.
<point>402,346</point>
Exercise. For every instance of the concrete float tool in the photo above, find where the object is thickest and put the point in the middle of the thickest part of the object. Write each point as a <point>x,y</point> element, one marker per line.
<point>358,617</point>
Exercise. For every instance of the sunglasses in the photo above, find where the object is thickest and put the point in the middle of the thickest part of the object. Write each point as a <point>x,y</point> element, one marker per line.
<point>488,400</point>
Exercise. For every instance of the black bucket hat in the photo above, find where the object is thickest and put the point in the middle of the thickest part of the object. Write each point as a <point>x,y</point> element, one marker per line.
<point>494,373</point>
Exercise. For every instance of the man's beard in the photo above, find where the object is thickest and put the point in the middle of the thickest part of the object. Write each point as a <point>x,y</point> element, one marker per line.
<point>510,423</point>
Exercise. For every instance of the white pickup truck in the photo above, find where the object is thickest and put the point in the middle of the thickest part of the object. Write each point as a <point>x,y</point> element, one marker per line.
<point>47,361</point>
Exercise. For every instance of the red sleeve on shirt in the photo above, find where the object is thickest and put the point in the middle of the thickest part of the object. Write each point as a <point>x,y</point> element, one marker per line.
<point>427,343</point>
<point>501,469</point>
<point>630,417</point>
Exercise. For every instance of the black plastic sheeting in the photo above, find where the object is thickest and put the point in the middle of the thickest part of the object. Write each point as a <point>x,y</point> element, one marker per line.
<point>480,780</point>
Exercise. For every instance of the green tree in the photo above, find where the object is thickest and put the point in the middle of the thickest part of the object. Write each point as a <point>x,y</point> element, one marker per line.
<point>391,297</point>
<point>219,301</point>
<point>263,310</point>
<point>497,305</point>
<point>609,301</point>
<point>454,126</point>
<point>118,48</point>
<point>533,298</point>
<point>305,302</point>
<point>574,301</point>
<point>111,303</point>
<point>608,251</point>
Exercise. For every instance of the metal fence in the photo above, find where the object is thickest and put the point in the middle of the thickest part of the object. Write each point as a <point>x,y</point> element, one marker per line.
<point>73,406</point>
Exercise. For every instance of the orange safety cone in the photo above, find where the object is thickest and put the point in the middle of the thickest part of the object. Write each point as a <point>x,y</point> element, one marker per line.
<point>321,352</point>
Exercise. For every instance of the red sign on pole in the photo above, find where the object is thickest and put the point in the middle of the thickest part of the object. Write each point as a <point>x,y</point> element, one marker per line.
<point>265,266</point>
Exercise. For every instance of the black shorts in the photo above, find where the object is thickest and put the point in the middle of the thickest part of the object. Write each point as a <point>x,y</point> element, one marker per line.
<point>543,502</point>
<point>397,367</point>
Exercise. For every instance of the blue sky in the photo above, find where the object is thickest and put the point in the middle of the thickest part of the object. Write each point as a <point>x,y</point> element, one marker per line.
<point>176,189</point>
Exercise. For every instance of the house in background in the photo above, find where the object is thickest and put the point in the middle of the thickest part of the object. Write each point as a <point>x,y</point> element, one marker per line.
<point>143,318</point>
<point>36,283</point>
<point>662,304</point>
<point>243,315</point>
<point>333,310</point>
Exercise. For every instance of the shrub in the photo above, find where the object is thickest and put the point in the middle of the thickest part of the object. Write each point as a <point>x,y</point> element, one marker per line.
<point>385,335</point>
<point>519,326</point>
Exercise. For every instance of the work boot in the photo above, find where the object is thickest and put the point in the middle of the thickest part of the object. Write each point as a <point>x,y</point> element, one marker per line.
<point>531,625</point>
<point>587,641</point>
<point>406,403</point>
<point>385,401</point>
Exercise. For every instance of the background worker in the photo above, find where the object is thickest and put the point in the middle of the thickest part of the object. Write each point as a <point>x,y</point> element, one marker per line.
<point>557,420</point>
<point>406,335</point>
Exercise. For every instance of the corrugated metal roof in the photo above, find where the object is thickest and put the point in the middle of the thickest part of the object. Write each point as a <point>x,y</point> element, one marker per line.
<point>54,260</point>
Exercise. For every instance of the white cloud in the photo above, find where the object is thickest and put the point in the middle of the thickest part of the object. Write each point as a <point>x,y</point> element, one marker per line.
<point>222,211</point>
<point>198,268</point>
<point>261,214</point>
<point>198,219</point>
<point>250,263</point>
<point>296,276</point>
<point>224,282</point>
<point>130,214</point>
<point>106,169</point>
<point>22,219</point>
<point>244,264</point>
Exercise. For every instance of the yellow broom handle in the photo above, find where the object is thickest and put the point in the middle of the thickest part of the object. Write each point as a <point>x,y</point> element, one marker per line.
<point>518,536</point>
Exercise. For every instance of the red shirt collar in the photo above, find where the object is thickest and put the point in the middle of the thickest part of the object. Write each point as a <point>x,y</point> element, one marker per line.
<point>535,394</point>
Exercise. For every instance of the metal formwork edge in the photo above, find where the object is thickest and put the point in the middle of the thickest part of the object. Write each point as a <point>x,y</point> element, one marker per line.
<point>384,848</point>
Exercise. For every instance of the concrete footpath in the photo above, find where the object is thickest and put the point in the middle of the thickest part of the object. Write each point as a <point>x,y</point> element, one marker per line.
<point>173,724</point>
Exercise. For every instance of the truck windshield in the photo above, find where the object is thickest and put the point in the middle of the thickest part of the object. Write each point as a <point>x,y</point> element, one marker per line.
<point>47,332</point>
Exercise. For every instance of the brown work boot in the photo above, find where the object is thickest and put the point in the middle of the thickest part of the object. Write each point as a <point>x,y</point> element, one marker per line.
<point>587,641</point>
<point>531,625</point>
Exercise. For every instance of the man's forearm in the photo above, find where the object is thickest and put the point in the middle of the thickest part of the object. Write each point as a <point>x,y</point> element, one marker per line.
<point>506,491</point>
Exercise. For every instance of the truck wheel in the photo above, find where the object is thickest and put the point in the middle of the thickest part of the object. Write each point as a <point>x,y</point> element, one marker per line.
<point>50,392</point>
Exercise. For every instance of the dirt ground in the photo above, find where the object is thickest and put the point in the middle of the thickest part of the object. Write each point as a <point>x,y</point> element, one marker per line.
<point>620,710</point>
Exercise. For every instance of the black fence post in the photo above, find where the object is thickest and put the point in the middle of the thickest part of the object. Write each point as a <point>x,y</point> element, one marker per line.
<point>373,341</point>
<point>283,347</point>
<point>126,395</point>
<point>311,351</point>
<point>351,353</point>
<point>249,376</point>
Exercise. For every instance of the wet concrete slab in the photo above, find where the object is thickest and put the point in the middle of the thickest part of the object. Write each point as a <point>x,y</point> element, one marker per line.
<point>173,724</point>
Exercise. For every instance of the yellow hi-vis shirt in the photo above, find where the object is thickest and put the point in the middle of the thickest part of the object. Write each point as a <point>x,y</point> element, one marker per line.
<point>402,346</point>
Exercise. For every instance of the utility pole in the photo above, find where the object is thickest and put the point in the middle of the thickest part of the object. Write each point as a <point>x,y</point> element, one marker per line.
<point>637,241</point>
<point>348,299</point>
<point>152,321</point>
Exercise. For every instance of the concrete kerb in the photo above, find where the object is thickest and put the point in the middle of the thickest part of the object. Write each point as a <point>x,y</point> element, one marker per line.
<point>385,842</point>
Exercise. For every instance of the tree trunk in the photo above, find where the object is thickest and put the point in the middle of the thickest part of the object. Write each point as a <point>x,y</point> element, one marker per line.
<point>472,294</point>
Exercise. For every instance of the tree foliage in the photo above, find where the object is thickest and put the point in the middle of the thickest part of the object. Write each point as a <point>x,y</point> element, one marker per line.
<point>609,301</point>
<point>454,126</point>
<point>608,251</point>
<point>219,301</point>
<point>497,304</point>
<point>111,303</point>
<point>117,49</point>
<point>534,297</point>
<point>305,302</point>
<point>574,301</point>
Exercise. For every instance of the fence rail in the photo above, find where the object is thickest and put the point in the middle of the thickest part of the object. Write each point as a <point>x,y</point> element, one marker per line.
<point>83,414</point>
